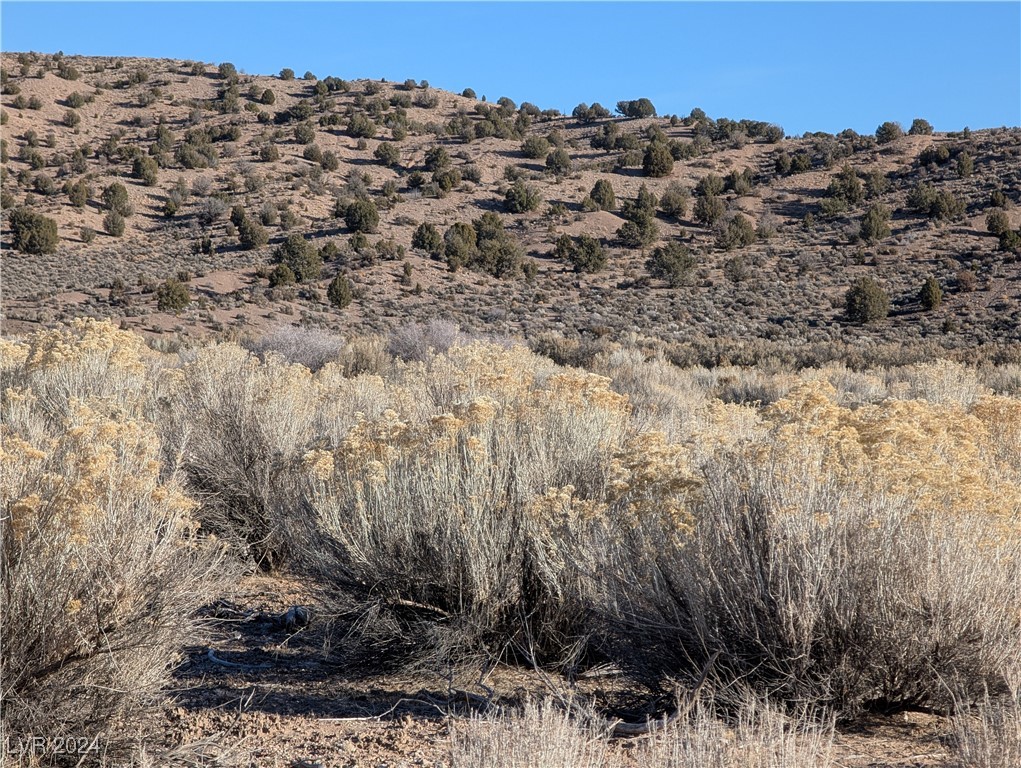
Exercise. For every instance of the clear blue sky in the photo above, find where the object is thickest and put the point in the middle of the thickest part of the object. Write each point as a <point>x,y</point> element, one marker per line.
<point>807,66</point>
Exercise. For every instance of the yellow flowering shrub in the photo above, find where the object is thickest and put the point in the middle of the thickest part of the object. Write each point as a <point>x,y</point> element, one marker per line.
<point>102,569</point>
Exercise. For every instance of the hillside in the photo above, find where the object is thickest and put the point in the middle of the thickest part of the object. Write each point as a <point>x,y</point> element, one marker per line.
<point>196,146</point>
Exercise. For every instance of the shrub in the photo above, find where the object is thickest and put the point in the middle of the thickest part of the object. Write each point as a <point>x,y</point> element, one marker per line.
<point>79,193</point>
<point>637,108</point>
<point>145,169</point>
<point>920,127</point>
<point>361,216</point>
<point>709,209</point>
<point>227,71</point>
<point>172,296</point>
<point>388,153</point>
<point>535,147</point>
<point>827,489</point>
<point>846,187</point>
<point>428,238</point>
<point>736,233</point>
<point>965,165</point>
<point>98,634</point>
<point>114,224</point>
<point>459,245</point>
<point>997,222</point>
<point>521,198</point>
<point>301,256</point>
<point>304,133</point>
<point>559,162</point>
<point>268,97</point>
<point>875,224</point>
<point>876,183</point>
<point>437,159</point>
<point>709,185</point>
<point>673,263</point>
<point>888,132</point>
<point>602,194</point>
<point>585,253</point>
<point>497,252</point>
<point>339,292</point>
<point>251,234</point>
<point>32,232</point>
<point>282,275</point>
<point>931,295</point>
<point>866,301</point>
<point>657,161</point>
<point>639,231</point>
<point>361,126</point>
<point>439,590</point>
<point>115,197</point>
<point>286,73</point>
<point>71,119</point>
<point>675,200</point>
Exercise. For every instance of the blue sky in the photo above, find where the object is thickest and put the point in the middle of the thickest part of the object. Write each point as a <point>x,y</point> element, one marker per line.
<point>805,65</point>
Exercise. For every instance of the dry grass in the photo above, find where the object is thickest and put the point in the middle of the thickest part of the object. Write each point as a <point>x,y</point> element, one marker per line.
<point>544,734</point>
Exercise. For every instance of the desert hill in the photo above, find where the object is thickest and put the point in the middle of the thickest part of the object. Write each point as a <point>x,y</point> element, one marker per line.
<point>220,168</point>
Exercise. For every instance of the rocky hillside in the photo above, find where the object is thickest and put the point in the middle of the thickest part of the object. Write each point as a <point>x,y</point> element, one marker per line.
<point>193,199</point>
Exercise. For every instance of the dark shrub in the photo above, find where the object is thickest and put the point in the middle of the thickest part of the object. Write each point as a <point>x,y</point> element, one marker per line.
<point>675,200</point>
<point>997,222</point>
<point>459,245</point>
<point>286,73</point>
<point>673,263</point>
<point>115,197</point>
<point>340,292</point>
<point>252,235</point>
<point>172,296</point>
<point>875,224</point>
<point>866,301</point>
<point>114,224</point>
<point>304,133</point>
<point>360,126</point>
<point>888,132</point>
<point>585,253</point>
<point>709,209</point>
<point>388,153</point>
<point>658,161</point>
<point>931,295</point>
<point>32,232</point>
<point>301,256</point>
<point>79,193</point>
<point>436,159</point>
<point>535,147</point>
<point>920,127</point>
<point>736,233</point>
<point>709,186</point>
<point>427,238</point>
<point>559,162</point>
<point>362,216</point>
<point>521,198</point>
<point>145,169</point>
<point>602,194</point>
<point>636,108</point>
<point>282,275</point>
<point>965,165</point>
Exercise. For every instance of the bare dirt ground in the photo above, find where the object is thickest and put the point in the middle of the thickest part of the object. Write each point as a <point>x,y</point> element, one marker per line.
<point>271,696</point>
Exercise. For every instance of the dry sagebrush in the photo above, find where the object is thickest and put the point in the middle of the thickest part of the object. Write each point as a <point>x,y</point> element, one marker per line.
<point>102,571</point>
<point>852,558</point>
